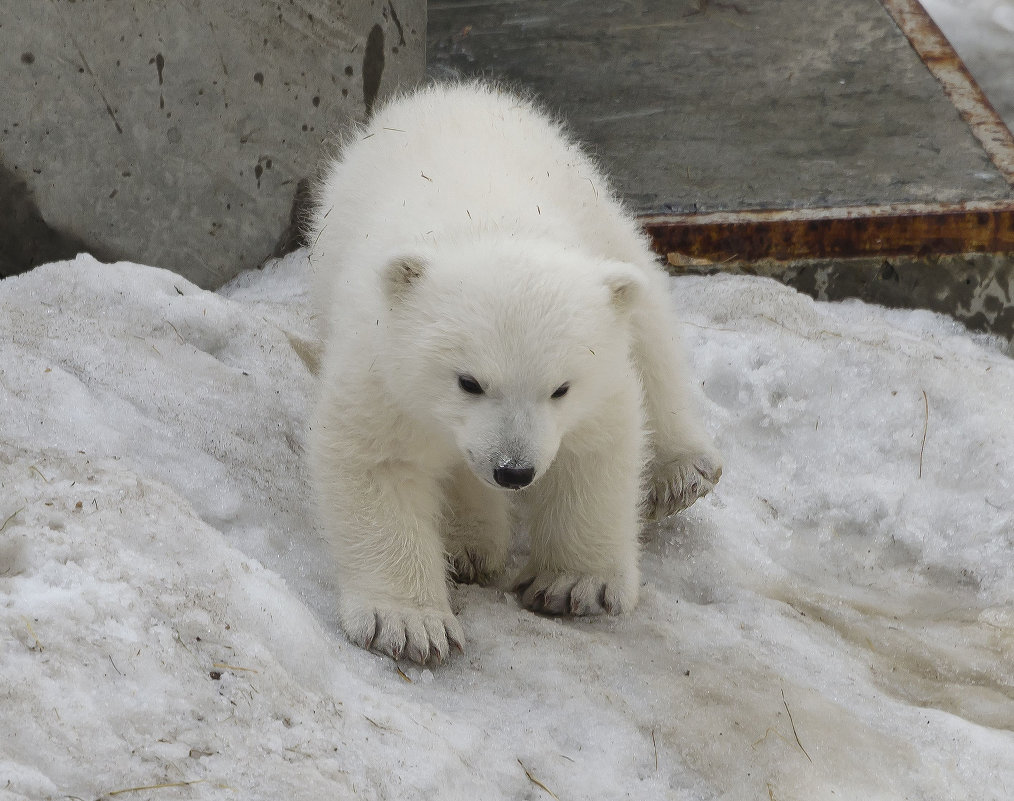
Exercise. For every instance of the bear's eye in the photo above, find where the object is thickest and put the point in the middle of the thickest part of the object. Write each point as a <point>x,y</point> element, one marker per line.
<point>561,391</point>
<point>469,385</point>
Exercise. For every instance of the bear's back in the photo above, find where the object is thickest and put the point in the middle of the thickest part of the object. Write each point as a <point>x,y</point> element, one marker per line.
<point>452,162</point>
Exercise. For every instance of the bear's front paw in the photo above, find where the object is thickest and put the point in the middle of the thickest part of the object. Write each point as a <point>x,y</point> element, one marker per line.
<point>422,635</point>
<point>554,593</point>
<point>675,483</point>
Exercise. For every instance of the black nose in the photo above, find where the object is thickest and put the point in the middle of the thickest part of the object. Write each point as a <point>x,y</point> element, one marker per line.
<point>514,477</point>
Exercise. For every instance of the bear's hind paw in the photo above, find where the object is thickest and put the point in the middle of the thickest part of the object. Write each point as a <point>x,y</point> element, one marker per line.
<point>473,566</point>
<point>574,594</point>
<point>674,484</point>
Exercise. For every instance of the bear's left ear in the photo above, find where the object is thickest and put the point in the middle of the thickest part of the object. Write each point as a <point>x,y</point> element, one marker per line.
<point>625,284</point>
<point>401,273</point>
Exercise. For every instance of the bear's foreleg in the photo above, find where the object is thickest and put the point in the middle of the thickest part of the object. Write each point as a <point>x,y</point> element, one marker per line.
<point>382,519</point>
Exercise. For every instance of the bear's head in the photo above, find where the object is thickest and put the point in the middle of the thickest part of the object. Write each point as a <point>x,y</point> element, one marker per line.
<point>507,347</point>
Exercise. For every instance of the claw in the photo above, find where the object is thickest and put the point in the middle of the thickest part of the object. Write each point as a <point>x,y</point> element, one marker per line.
<point>603,601</point>
<point>453,642</point>
<point>417,656</point>
<point>573,604</point>
<point>371,635</point>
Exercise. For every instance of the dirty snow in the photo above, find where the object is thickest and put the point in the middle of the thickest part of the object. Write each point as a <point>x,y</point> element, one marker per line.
<point>830,624</point>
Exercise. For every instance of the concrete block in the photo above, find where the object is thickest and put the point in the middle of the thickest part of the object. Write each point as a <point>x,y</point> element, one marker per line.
<point>177,133</point>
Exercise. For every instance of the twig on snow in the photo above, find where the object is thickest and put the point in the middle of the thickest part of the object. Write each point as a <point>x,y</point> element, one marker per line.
<point>403,674</point>
<point>224,666</point>
<point>28,624</point>
<point>10,517</point>
<point>925,428</point>
<point>792,723</point>
<point>536,782</point>
<point>152,787</point>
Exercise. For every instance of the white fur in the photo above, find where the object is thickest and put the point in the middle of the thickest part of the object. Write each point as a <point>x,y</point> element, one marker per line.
<point>462,233</point>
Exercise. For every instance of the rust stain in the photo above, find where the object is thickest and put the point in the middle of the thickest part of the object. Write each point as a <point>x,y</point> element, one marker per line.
<point>850,232</point>
<point>960,87</point>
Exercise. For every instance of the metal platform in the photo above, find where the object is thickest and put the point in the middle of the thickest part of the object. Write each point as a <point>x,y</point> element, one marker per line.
<point>775,136</point>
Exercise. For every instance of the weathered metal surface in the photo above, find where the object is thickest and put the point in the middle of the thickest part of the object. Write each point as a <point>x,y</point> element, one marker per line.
<point>912,230</point>
<point>968,98</point>
<point>705,106</point>
<point>974,226</point>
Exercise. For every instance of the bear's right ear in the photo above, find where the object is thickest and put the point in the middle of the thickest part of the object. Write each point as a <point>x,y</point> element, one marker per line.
<point>624,284</point>
<point>401,273</point>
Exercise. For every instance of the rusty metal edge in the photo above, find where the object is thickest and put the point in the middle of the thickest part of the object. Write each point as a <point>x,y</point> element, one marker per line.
<point>861,231</point>
<point>850,232</point>
<point>961,88</point>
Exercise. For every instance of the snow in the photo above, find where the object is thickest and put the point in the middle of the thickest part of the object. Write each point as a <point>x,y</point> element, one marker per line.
<point>982,32</point>
<point>829,624</point>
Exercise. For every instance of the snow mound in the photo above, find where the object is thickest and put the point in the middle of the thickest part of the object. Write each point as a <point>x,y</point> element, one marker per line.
<point>836,621</point>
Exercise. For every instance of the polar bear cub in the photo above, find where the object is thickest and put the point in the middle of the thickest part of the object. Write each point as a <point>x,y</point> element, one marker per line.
<point>495,332</point>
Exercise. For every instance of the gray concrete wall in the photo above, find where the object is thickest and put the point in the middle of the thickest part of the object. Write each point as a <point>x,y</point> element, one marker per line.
<point>176,133</point>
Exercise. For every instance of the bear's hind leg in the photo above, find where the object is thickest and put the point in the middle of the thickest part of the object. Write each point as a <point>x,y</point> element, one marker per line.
<point>684,464</point>
<point>477,528</point>
<point>584,521</point>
